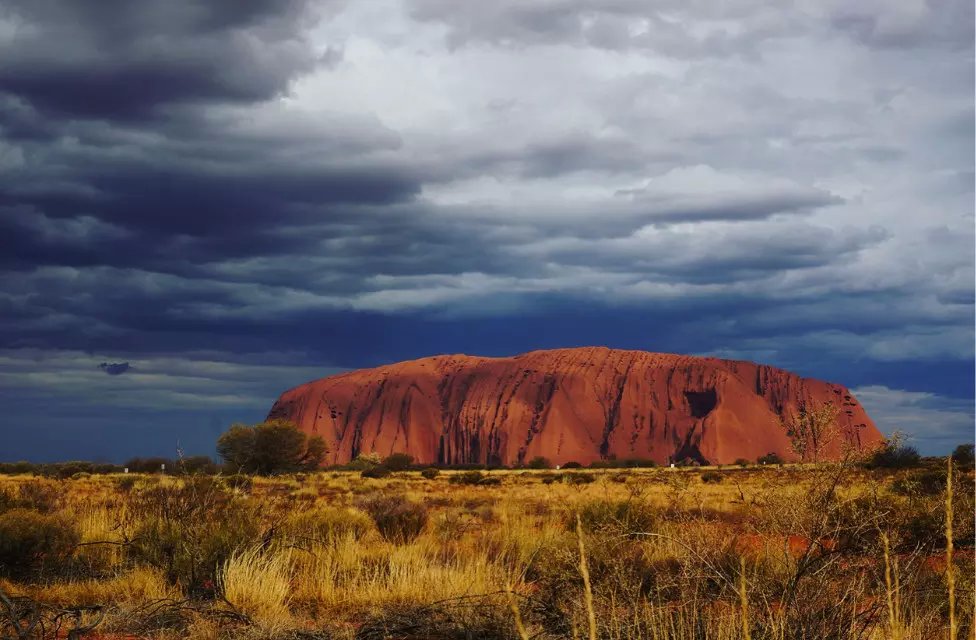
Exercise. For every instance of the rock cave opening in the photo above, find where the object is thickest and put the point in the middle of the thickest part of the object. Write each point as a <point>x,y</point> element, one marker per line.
<point>701,403</point>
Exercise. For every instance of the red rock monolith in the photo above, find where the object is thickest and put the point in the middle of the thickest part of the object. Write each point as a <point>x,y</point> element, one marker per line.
<point>582,405</point>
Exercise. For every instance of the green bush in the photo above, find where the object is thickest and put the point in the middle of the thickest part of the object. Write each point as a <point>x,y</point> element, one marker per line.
<point>474,478</point>
<point>712,477</point>
<point>397,518</point>
<point>742,462</point>
<point>379,471</point>
<point>539,462</point>
<point>32,541</point>
<point>398,462</point>
<point>362,462</point>
<point>572,465</point>
<point>430,473</point>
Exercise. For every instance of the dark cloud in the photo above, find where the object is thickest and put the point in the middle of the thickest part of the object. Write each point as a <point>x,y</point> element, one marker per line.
<point>114,368</point>
<point>118,60</point>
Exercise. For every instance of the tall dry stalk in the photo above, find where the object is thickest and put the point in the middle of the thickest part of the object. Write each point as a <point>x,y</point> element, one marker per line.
<point>585,571</point>
<point>891,591</point>
<point>744,599</point>
<point>513,605</point>
<point>950,575</point>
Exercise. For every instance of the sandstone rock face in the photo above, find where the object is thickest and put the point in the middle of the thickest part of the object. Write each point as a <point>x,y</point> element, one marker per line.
<point>582,404</point>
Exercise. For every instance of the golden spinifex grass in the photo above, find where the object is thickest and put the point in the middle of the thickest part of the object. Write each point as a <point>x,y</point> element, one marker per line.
<point>827,551</point>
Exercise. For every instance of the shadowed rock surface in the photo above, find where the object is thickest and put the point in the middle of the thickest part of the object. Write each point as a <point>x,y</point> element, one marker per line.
<point>581,404</point>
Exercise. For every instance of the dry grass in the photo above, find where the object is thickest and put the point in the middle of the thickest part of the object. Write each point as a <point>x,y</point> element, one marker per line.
<point>644,554</point>
<point>258,584</point>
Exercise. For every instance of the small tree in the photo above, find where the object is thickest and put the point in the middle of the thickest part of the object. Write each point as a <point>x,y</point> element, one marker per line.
<point>812,429</point>
<point>274,446</point>
<point>539,462</point>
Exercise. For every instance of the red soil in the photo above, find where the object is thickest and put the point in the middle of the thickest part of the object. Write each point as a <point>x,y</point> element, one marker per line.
<point>582,404</point>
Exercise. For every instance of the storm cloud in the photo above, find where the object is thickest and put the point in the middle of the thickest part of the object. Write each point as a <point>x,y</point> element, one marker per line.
<point>346,184</point>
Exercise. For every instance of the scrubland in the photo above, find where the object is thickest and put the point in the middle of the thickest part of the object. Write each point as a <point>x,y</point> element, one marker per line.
<point>831,551</point>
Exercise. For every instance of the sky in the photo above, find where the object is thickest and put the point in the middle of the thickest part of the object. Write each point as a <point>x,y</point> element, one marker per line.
<point>203,204</point>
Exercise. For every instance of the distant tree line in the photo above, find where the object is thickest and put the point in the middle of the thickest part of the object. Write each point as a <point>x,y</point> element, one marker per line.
<point>188,465</point>
<point>277,446</point>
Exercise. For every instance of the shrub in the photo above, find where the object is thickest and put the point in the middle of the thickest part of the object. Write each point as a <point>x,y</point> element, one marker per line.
<point>196,464</point>
<point>125,483</point>
<point>398,462</point>
<point>964,456</point>
<point>769,458</point>
<point>149,465</point>
<point>39,495</point>
<point>363,461</point>
<point>191,528</point>
<point>895,456</point>
<point>397,518</point>
<point>239,482</point>
<point>742,462</point>
<point>712,477</point>
<point>930,482</point>
<point>430,473</point>
<point>637,463</point>
<point>623,516</point>
<point>476,478</point>
<point>572,465</point>
<point>539,462</point>
<point>377,472</point>
<point>578,478</point>
<point>30,540</point>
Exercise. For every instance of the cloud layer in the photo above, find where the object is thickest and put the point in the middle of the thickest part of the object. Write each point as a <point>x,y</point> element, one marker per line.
<point>353,183</point>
